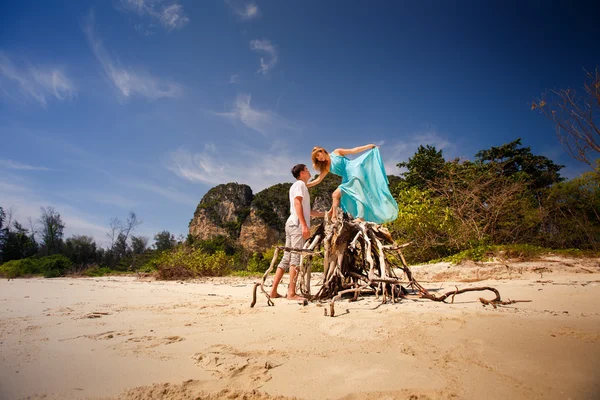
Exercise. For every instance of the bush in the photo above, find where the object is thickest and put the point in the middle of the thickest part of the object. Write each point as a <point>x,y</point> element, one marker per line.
<point>218,243</point>
<point>261,262</point>
<point>16,268</point>
<point>54,266</point>
<point>50,267</point>
<point>521,252</point>
<point>96,271</point>
<point>317,263</point>
<point>187,262</point>
<point>423,220</point>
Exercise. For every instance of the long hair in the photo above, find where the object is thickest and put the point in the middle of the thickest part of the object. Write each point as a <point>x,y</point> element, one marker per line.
<point>320,166</point>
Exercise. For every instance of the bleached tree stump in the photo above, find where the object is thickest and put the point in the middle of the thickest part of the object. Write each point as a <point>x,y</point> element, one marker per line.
<point>360,257</point>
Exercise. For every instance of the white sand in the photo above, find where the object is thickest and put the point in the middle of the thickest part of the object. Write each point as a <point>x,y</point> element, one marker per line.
<point>202,340</point>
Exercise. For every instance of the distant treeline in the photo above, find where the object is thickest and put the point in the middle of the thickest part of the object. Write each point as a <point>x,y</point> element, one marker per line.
<point>41,249</point>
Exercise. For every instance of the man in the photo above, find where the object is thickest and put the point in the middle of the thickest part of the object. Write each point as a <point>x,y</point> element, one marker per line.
<point>296,231</point>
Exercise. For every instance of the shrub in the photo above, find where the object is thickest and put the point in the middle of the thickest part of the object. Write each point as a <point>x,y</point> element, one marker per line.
<point>50,267</point>
<point>261,262</point>
<point>96,271</point>
<point>54,266</point>
<point>16,268</point>
<point>187,262</point>
<point>423,220</point>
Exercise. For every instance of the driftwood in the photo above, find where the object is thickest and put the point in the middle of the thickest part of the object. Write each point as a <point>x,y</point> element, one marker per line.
<point>361,258</point>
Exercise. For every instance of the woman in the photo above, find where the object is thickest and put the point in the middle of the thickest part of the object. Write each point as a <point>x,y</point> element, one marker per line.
<point>364,192</point>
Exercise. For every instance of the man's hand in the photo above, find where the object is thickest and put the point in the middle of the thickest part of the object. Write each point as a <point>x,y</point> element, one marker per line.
<point>305,232</point>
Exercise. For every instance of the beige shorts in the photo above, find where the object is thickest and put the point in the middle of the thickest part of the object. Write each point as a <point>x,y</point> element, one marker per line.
<point>293,238</point>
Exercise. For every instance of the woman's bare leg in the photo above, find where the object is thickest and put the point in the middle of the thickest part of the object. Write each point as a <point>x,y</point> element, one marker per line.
<point>336,198</point>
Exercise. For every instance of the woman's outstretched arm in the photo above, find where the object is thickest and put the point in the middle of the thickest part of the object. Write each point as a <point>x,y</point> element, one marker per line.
<point>360,149</point>
<point>319,179</point>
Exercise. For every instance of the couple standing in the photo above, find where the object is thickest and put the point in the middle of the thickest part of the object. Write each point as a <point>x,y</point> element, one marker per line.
<point>364,193</point>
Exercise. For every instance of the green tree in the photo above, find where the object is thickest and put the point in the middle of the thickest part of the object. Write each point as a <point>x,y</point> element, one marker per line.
<point>425,220</point>
<point>81,250</point>
<point>2,234</point>
<point>52,228</point>
<point>571,212</point>
<point>18,243</point>
<point>139,244</point>
<point>164,240</point>
<point>423,167</point>
<point>539,171</point>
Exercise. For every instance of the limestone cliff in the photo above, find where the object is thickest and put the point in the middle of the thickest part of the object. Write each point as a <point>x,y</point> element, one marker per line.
<point>266,224</point>
<point>221,211</point>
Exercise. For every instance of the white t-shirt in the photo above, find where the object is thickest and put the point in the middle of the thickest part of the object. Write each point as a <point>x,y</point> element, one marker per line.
<point>299,189</point>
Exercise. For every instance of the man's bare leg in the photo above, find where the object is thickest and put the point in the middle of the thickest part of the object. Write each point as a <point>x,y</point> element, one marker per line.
<point>276,280</point>
<point>292,287</point>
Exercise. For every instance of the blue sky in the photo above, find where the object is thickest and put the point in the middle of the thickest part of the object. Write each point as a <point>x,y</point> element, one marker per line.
<point>144,105</point>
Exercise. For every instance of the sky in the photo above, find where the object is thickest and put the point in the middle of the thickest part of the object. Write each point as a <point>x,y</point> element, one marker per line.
<point>113,106</point>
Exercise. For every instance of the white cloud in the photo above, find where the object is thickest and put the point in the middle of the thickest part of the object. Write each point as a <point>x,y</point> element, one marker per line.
<point>37,83</point>
<point>128,81</point>
<point>19,166</point>
<point>169,14</point>
<point>265,46</point>
<point>235,78</point>
<point>257,168</point>
<point>264,122</point>
<point>244,10</point>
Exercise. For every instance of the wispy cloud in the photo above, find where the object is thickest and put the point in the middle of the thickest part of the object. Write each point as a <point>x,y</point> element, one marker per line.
<point>168,13</point>
<point>399,151</point>
<point>34,83</point>
<point>129,82</point>
<point>244,10</point>
<point>164,191</point>
<point>235,78</point>
<point>26,202</point>
<point>257,168</point>
<point>264,122</point>
<point>10,164</point>
<point>111,199</point>
<point>266,47</point>
<point>145,30</point>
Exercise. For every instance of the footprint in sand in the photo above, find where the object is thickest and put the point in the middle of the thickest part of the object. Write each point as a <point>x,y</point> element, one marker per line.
<point>591,337</point>
<point>226,362</point>
<point>154,341</point>
<point>109,335</point>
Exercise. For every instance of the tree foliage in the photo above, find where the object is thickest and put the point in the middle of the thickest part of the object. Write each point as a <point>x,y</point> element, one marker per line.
<point>509,160</point>
<point>423,167</point>
<point>164,240</point>
<point>507,195</point>
<point>52,228</point>
<point>272,205</point>
<point>81,250</point>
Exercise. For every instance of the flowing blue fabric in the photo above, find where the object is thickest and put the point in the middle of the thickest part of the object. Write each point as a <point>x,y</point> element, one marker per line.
<point>365,190</point>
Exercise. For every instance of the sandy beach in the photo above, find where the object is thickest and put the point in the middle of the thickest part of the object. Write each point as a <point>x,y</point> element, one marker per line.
<point>126,338</point>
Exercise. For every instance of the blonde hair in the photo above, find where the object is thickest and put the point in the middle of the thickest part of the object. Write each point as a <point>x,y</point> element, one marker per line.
<point>320,166</point>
